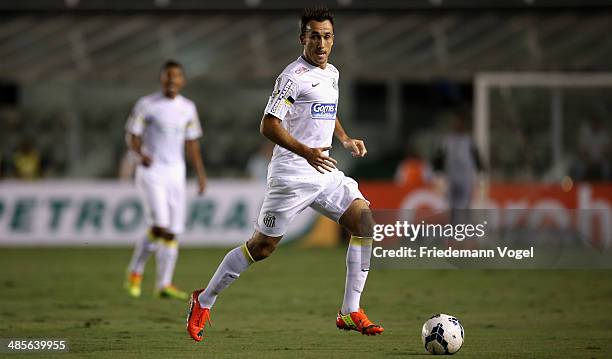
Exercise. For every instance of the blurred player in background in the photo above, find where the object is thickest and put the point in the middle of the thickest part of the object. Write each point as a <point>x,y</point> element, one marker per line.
<point>160,128</point>
<point>594,150</point>
<point>301,120</point>
<point>459,160</point>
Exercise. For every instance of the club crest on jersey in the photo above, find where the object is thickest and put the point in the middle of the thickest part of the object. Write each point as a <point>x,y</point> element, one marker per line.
<point>323,111</point>
<point>269,220</point>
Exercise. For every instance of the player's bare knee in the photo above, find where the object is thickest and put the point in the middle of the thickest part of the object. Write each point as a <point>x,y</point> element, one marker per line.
<point>367,223</point>
<point>261,246</point>
<point>157,231</point>
<point>262,250</point>
<point>163,233</point>
<point>358,219</point>
<point>168,236</point>
<point>266,250</point>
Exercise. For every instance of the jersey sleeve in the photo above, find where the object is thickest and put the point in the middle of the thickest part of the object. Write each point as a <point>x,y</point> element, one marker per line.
<point>193,128</point>
<point>136,121</point>
<point>282,98</point>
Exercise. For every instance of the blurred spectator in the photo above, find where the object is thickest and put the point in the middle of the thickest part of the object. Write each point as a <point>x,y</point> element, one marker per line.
<point>593,152</point>
<point>27,162</point>
<point>460,162</point>
<point>257,166</point>
<point>413,171</point>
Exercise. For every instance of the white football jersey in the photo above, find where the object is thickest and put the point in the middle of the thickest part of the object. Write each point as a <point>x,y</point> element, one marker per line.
<point>164,125</point>
<point>305,98</point>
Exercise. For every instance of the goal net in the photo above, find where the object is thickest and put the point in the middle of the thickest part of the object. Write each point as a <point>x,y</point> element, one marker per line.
<point>544,126</point>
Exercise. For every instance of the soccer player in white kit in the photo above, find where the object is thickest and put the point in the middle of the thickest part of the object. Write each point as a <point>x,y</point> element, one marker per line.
<point>161,126</point>
<point>300,118</point>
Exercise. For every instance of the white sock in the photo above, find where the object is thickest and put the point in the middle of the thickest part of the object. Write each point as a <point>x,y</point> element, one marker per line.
<point>142,251</point>
<point>357,267</point>
<point>167,254</point>
<point>234,263</point>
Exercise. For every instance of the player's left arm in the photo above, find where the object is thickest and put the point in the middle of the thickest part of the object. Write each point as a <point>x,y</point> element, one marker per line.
<point>195,157</point>
<point>357,147</point>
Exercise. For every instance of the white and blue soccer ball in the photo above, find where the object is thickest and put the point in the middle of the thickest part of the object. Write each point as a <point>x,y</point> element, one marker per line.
<point>442,334</point>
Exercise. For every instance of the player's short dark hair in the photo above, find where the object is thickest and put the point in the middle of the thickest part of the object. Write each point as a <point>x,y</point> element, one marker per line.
<point>317,14</point>
<point>170,64</point>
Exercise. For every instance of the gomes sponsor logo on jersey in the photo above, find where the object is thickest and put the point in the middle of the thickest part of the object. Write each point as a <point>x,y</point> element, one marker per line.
<point>323,111</point>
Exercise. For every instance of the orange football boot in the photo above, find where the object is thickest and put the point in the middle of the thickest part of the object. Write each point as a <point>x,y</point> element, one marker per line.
<point>358,321</point>
<point>197,317</point>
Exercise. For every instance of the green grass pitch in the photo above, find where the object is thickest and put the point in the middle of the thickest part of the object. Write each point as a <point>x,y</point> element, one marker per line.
<point>285,307</point>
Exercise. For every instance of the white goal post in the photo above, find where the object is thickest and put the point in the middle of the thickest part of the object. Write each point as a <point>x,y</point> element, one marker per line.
<point>555,81</point>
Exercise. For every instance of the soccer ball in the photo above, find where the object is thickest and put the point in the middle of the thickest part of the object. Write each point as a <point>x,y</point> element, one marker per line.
<point>442,334</point>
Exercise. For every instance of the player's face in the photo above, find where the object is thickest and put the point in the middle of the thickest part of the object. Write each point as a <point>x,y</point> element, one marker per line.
<point>172,81</point>
<point>318,41</point>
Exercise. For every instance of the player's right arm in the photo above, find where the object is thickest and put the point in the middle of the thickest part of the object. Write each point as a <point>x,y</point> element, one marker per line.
<point>272,129</point>
<point>135,145</point>
<point>135,128</point>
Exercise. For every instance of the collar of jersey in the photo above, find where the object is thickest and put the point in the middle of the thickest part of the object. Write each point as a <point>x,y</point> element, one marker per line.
<point>303,59</point>
<point>160,93</point>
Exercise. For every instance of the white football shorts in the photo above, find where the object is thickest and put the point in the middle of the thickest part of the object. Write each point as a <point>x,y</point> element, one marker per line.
<point>330,194</point>
<point>163,191</point>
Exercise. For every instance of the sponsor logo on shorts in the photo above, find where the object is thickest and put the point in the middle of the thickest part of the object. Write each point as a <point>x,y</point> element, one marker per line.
<point>323,111</point>
<point>269,220</point>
